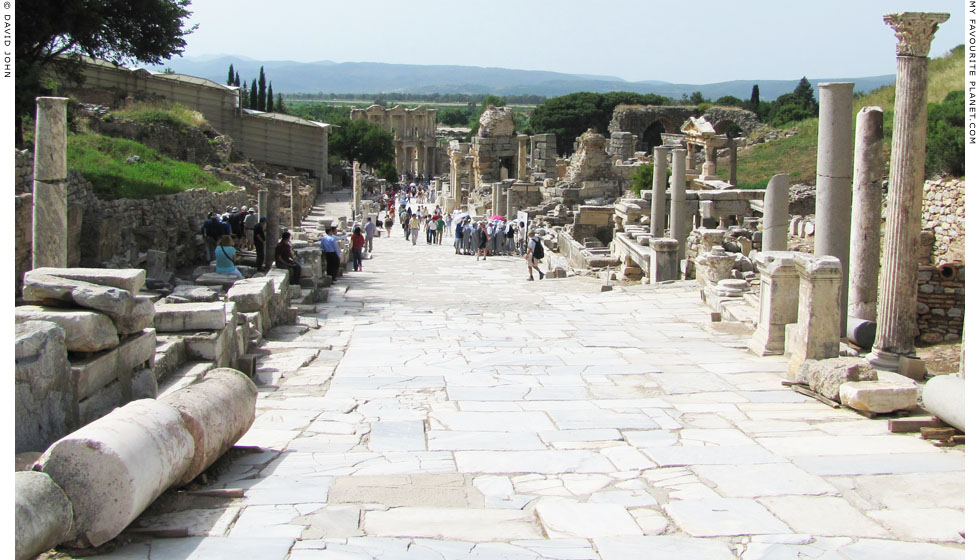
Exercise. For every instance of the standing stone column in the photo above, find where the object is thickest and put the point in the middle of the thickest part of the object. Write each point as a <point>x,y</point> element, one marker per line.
<point>835,166</point>
<point>678,204</point>
<point>495,200</point>
<point>710,165</point>
<point>862,298</point>
<point>658,206</point>
<point>690,157</point>
<point>263,203</point>
<point>272,231</point>
<point>50,229</point>
<point>292,202</point>
<point>507,207</point>
<point>521,157</point>
<point>357,189</point>
<point>903,220</point>
<point>733,162</point>
<point>775,216</point>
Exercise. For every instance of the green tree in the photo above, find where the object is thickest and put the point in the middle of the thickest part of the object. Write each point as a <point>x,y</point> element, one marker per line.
<point>363,141</point>
<point>453,116</point>
<point>804,92</point>
<point>253,97</point>
<point>261,103</point>
<point>788,108</point>
<point>754,100</point>
<point>697,98</point>
<point>238,81</point>
<point>729,101</point>
<point>945,136</point>
<point>280,106</point>
<point>52,35</point>
<point>270,105</point>
<point>231,74</point>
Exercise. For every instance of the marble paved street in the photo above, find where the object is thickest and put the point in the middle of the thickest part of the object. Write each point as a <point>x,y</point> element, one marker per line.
<point>444,408</point>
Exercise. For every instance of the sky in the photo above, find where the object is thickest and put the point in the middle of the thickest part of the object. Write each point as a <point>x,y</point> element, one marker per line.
<point>672,41</point>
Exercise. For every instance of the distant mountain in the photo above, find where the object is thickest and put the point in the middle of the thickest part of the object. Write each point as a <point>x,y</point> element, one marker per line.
<point>374,77</point>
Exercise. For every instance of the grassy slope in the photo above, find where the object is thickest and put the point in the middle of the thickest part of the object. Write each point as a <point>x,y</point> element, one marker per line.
<point>797,155</point>
<point>102,161</point>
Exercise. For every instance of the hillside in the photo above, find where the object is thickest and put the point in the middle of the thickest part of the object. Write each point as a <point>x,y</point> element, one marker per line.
<point>797,155</point>
<point>373,77</point>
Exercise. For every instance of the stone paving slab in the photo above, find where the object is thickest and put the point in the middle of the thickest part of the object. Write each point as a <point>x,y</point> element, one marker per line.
<point>446,409</point>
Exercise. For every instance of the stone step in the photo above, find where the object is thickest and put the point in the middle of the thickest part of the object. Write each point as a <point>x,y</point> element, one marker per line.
<point>176,317</point>
<point>170,355</point>
<point>94,373</point>
<point>187,374</point>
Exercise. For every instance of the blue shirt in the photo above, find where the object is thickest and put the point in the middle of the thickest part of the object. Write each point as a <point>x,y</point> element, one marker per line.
<point>328,243</point>
<point>223,260</point>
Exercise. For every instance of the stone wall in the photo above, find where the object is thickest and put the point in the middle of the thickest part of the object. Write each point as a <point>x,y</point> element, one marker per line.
<point>944,214</point>
<point>942,296</point>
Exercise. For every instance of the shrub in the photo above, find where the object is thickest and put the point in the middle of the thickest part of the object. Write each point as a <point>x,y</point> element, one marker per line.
<point>945,136</point>
<point>159,112</point>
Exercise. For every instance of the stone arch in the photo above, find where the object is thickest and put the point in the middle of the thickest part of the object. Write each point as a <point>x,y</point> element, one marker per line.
<point>651,137</point>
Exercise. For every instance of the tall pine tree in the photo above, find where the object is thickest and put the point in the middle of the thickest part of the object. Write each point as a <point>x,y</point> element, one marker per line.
<point>270,105</point>
<point>804,91</point>
<point>253,98</point>
<point>231,74</point>
<point>261,104</point>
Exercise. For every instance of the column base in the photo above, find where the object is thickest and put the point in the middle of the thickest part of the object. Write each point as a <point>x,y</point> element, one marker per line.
<point>882,359</point>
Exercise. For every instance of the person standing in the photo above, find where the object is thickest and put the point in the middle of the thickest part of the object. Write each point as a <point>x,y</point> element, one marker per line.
<point>521,238</point>
<point>357,242</point>
<point>440,225</point>
<point>212,231</point>
<point>331,251</point>
<point>484,236</point>
<point>250,220</point>
<point>369,229</point>
<point>285,260</point>
<point>413,227</point>
<point>535,252</point>
<point>509,247</point>
<point>458,243</point>
<point>259,236</point>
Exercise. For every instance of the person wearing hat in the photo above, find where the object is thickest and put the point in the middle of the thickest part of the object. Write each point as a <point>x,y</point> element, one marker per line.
<point>250,220</point>
<point>258,234</point>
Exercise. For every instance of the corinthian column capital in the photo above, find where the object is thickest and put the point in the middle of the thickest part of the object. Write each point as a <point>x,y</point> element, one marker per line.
<point>915,31</point>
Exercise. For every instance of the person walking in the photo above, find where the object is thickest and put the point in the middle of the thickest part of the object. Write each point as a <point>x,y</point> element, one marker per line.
<point>284,258</point>
<point>388,223</point>
<point>369,229</point>
<point>535,252</point>
<point>259,239</point>
<point>413,227</point>
<point>357,242</point>
<point>440,225</point>
<point>433,226</point>
<point>331,251</point>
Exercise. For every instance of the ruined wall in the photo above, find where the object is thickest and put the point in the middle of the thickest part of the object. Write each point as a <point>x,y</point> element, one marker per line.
<point>638,118</point>
<point>944,214</point>
<point>941,298</point>
<point>185,144</point>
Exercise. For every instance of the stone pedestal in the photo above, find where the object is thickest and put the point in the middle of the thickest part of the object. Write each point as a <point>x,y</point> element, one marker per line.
<point>658,206</point>
<point>835,166</point>
<point>862,297</point>
<point>678,203</point>
<point>775,217</point>
<point>779,294</point>
<point>816,333</point>
<point>50,225</point>
<point>897,286</point>
<point>664,264</point>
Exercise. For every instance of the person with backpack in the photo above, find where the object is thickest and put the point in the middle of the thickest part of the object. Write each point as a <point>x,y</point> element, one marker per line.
<point>458,244</point>
<point>535,252</point>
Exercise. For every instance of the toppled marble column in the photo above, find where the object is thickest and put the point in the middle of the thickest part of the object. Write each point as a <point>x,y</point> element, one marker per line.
<point>897,309</point>
<point>775,217</point>
<point>44,401</point>
<point>50,222</point>
<point>42,514</point>
<point>113,468</point>
<point>658,206</point>
<point>945,397</point>
<point>664,265</point>
<point>835,168</point>
<point>862,297</point>
<point>816,333</point>
<point>779,294</point>
<point>217,411</point>
<point>678,203</point>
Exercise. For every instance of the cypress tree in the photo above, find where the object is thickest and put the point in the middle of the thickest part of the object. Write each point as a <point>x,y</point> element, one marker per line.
<point>231,74</point>
<point>238,82</point>
<point>261,103</point>
<point>280,106</point>
<point>253,98</point>
<point>270,105</point>
<point>754,100</point>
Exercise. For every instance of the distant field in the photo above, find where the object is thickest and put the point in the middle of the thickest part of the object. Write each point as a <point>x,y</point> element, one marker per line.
<point>363,103</point>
